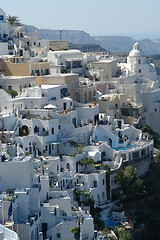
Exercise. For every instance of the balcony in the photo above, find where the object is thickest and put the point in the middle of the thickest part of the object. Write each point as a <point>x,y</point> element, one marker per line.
<point>145,158</point>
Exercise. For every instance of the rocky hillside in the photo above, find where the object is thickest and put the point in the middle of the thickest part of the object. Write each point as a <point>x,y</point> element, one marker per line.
<point>109,43</point>
<point>91,47</point>
<point>115,43</point>
<point>73,36</point>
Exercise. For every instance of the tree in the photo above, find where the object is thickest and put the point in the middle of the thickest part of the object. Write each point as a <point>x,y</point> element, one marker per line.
<point>122,234</point>
<point>13,20</point>
<point>129,182</point>
<point>157,158</point>
<point>12,92</point>
<point>95,78</point>
<point>148,131</point>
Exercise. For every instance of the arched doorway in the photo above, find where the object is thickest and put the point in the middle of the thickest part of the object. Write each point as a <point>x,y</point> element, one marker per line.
<point>90,96</point>
<point>25,130</point>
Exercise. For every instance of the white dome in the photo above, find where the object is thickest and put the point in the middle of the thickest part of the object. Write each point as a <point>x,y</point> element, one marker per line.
<point>136,51</point>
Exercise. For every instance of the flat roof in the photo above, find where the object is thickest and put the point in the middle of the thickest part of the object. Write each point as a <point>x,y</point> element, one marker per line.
<point>17,77</point>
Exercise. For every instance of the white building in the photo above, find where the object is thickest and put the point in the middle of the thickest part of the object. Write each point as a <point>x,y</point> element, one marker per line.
<point>17,83</point>
<point>138,63</point>
<point>151,113</point>
<point>17,180</point>
<point>103,69</point>
<point>4,26</point>
<point>6,233</point>
<point>66,61</point>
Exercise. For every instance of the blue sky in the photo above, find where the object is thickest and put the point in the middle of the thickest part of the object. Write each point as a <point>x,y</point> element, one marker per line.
<point>136,18</point>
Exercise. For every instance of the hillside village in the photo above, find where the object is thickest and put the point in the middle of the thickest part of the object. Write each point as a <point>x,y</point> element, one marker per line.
<point>69,123</point>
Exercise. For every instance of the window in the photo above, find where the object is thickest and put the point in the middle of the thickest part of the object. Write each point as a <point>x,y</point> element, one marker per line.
<point>103,181</point>
<point>46,71</point>
<point>59,127</point>
<point>68,166</point>
<point>1,17</point>
<point>52,130</point>
<point>139,70</point>
<point>37,72</point>
<point>36,129</point>
<point>70,103</point>
<point>58,235</point>
<point>32,73</point>
<point>95,183</point>
<point>49,148</point>
<point>63,92</point>
<point>139,61</point>
<point>74,121</point>
<point>103,155</point>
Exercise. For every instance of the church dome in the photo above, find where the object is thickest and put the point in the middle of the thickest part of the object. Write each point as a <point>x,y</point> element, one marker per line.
<point>136,51</point>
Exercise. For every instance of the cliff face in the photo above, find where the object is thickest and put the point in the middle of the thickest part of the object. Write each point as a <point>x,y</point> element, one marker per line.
<point>109,43</point>
<point>125,44</point>
<point>73,36</point>
<point>116,43</point>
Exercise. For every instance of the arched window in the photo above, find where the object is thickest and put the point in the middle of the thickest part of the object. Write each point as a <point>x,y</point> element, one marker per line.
<point>94,92</point>
<point>25,130</point>
<point>85,97</point>
<point>90,96</point>
<point>36,129</point>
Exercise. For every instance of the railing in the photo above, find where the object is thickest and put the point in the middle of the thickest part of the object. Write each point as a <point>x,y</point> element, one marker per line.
<point>138,159</point>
